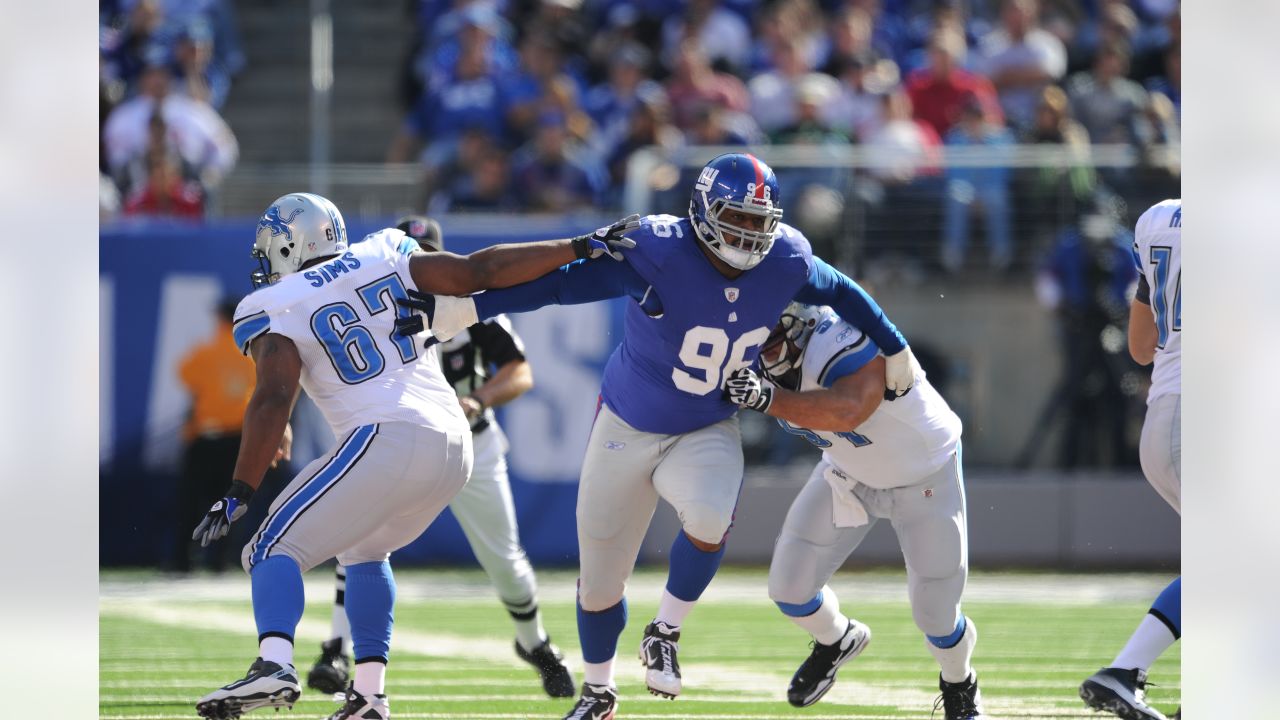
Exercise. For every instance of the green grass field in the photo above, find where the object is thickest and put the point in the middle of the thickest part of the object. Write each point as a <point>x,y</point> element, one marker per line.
<point>165,642</point>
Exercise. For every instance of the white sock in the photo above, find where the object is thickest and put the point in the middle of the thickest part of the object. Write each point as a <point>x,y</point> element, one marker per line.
<point>276,649</point>
<point>598,673</point>
<point>826,624</point>
<point>530,633</point>
<point>672,610</point>
<point>371,678</point>
<point>1145,645</point>
<point>954,660</point>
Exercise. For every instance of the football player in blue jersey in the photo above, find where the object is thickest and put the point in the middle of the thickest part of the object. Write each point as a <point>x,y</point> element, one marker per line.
<point>707,290</point>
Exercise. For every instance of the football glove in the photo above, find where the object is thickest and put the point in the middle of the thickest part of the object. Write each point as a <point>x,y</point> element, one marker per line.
<point>607,240</point>
<point>899,373</point>
<point>446,315</point>
<point>229,509</point>
<point>745,388</point>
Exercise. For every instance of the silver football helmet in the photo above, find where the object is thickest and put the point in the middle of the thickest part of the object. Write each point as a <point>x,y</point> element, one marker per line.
<point>296,228</point>
<point>783,351</point>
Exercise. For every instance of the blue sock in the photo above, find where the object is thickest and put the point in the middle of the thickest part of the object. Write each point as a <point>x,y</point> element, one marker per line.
<point>949,641</point>
<point>691,569</point>
<point>371,597</point>
<point>804,609</point>
<point>1168,607</point>
<point>598,631</point>
<point>277,596</point>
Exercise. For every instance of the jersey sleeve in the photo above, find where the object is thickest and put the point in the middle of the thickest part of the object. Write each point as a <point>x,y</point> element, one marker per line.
<point>578,282</point>
<point>828,286</point>
<point>251,320</point>
<point>498,342</point>
<point>836,351</point>
<point>653,242</point>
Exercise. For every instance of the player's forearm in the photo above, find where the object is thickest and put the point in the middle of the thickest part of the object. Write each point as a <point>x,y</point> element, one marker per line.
<point>819,410</point>
<point>265,420</point>
<point>510,382</point>
<point>510,264</point>
<point>573,284</point>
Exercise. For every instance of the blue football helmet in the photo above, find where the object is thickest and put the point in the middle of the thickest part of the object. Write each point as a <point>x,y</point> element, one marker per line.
<point>296,228</point>
<point>740,182</point>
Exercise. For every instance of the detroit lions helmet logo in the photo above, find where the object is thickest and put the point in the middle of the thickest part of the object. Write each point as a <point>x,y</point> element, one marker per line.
<point>276,224</point>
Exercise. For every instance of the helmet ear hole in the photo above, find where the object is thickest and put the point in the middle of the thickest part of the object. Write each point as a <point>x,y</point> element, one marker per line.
<point>284,251</point>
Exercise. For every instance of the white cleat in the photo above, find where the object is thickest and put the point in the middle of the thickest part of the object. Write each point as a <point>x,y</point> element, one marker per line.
<point>658,653</point>
<point>1119,692</point>
<point>267,684</point>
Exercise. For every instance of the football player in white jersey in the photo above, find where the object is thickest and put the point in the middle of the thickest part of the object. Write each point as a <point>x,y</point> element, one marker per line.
<point>823,379</point>
<point>484,508</point>
<point>1155,335</point>
<point>323,318</point>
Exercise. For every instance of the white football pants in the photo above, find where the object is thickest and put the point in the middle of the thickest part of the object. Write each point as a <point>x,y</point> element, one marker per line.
<point>373,493</point>
<point>928,518</point>
<point>624,473</point>
<point>1160,449</point>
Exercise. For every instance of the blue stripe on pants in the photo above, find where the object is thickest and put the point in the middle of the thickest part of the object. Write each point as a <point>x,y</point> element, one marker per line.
<point>293,508</point>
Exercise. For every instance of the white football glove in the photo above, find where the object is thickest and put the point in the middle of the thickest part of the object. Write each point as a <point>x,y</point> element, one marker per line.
<point>900,373</point>
<point>746,389</point>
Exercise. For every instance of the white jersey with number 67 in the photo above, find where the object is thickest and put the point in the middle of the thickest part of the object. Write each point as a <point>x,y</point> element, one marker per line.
<point>341,316</point>
<point>1158,249</point>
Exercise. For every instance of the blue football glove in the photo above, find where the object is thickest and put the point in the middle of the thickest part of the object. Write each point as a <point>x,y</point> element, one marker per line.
<point>607,240</point>
<point>746,389</point>
<point>217,522</point>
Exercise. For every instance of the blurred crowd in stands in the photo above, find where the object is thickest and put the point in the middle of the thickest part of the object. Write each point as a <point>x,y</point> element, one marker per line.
<point>165,68</point>
<point>539,105</point>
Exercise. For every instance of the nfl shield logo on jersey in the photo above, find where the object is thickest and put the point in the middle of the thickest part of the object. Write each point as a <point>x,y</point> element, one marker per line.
<point>731,294</point>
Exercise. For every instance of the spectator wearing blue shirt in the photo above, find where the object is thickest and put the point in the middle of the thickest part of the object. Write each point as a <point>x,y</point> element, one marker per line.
<point>967,187</point>
<point>1170,84</point>
<point>611,104</point>
<point>552,173</point>
<point>1086,278</point>
<point>471,97</point>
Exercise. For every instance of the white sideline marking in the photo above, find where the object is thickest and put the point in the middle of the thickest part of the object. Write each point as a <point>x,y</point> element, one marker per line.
<point>559,586</point>
<point>740,684</point>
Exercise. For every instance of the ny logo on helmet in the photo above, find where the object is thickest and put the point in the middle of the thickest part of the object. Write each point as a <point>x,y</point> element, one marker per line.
<point>706,179</point>
<point>276,224</point>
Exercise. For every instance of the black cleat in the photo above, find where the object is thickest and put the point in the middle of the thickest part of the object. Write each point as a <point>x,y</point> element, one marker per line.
<point>959,701</point>
<point>1119,692</point>
<point>817,673</point>
<point>598,702</point>
<point>549,662</point>
<point>658,653</point>
<point>267,684</point>
<point>331,671</point>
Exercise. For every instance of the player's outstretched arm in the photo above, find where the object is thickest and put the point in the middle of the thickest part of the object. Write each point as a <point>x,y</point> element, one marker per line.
<point>844,406</point>
<point>266,419</point>
<point>500,266</point>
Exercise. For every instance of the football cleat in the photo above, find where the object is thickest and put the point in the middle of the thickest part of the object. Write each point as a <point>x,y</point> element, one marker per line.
<point>362,707</point>
<point>1119,692</point>
<point>330,673</point>
<point>658,653</point>
<point>549,662</point>
<point>598,702</point>
<point>959,701</point>
<point>817,673</point>
<point>267,684</point>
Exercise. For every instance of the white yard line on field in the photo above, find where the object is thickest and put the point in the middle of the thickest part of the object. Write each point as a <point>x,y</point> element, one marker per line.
<point>559,586</point>
<point>736,684</point>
